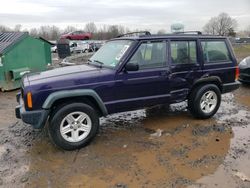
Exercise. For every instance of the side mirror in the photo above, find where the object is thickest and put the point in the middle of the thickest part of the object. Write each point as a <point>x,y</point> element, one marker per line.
<point>131,67</point>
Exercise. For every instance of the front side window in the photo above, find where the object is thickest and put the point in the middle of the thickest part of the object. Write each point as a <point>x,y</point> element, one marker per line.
<point>150,55</point>
<point>183,52</point>
<point>109,54</point>
<point>215,51</point>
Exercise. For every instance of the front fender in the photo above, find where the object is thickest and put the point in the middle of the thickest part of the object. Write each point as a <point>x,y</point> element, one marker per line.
<point>75,93</point>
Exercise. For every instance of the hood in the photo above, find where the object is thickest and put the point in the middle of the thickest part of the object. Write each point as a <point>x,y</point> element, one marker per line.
<point>61,72</point>
<point>245,63</point>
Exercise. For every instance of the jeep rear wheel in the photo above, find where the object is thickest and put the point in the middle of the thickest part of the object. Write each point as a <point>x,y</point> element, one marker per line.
<point>204,101</point>
<point>73,126</point>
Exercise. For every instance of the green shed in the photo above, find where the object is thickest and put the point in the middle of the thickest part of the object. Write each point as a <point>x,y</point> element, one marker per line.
<point>20,54</point>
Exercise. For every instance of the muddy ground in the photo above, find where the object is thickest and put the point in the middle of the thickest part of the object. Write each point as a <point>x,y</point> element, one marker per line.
<point>159,147</point>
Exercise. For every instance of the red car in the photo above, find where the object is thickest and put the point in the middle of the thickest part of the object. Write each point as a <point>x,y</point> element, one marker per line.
<point>77,35</point>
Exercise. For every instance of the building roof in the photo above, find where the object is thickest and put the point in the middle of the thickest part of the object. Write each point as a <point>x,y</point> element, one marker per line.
<point>44,40</point>
<point>8,39</point>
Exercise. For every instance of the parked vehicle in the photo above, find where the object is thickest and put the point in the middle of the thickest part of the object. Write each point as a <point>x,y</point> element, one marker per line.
<point>54,49</point>
<point>129,73</point>
<point>245,70</point>
<point>77,35</point>
<point>79,47</point>
<point>94,46</point>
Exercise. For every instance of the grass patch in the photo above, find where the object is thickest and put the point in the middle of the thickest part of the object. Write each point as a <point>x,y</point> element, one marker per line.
<point>241,51</point>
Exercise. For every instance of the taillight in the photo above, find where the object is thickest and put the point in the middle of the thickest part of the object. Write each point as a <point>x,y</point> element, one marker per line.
<point>29,100</point>
<point>237,73</point>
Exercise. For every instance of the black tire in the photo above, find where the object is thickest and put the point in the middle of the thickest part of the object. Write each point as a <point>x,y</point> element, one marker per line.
<point>194,101</point>
<point>58,116</point>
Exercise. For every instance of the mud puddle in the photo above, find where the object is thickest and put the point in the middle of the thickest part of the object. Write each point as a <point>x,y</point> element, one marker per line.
<point>158,147</point>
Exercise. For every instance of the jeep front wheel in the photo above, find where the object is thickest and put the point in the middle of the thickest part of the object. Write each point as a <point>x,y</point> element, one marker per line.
<point>73,126</point>
<point>204,101</point>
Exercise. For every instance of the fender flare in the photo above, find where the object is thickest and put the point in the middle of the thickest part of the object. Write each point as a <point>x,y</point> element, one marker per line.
<point>75,93</point>
<point>208,79</point>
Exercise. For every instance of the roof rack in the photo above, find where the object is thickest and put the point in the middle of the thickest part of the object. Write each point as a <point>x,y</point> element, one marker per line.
<point>138,33</point>
<point>189,32</point>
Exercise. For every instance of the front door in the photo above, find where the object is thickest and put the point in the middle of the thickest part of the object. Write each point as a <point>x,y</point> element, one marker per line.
<point>148,85</point>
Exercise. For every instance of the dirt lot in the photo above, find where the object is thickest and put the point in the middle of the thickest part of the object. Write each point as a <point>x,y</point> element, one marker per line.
<point>158,147</point>
<point>184,152</point>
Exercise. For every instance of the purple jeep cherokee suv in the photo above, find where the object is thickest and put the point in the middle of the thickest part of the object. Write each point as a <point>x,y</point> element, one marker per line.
<point>128,73</point>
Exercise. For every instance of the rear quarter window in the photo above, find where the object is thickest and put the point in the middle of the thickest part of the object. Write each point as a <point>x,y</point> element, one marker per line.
<point>215,51</point>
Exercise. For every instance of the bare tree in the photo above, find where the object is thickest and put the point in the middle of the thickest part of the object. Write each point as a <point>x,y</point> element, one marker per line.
<point>18,28</point>
<point>54,33</point>
<point>110,31</point>
<point>247,31</point>
<point>33,32</point>
<point>211,26</point>
<point>4,28</point>
<point>161,31</point>
<point>90,27</point>
<point>69,29</point>
<point>222,25</point>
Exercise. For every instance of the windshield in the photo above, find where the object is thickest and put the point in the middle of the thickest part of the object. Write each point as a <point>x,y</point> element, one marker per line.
<point>110,53</point>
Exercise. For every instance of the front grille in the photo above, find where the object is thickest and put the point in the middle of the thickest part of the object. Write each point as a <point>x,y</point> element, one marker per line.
<point>245,71</point>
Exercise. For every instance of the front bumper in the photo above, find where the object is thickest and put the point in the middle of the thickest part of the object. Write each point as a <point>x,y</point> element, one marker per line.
<point>36,118</point>
<point>244,78</point>
<point>226,88</point>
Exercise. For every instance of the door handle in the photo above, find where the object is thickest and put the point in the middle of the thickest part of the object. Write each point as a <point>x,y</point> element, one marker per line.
<point>165,73</point>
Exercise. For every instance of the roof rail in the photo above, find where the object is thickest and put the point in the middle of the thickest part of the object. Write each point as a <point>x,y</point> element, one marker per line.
<point>138,33</point>
<point>191,32</point>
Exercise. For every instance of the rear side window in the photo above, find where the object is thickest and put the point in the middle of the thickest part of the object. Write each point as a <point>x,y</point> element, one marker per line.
<point>215,51</point>
<point>183,52</point>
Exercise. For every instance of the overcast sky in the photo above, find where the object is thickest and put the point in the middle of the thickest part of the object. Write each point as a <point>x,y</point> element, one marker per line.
<point>142,14</point>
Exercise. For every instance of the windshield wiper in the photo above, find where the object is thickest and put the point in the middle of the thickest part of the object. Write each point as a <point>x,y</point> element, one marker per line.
<point>89,61</point>
<point>95,61</point>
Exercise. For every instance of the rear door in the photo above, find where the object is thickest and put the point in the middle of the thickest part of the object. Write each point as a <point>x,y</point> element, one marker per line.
<point>218,60</point>
<point>185,67</point>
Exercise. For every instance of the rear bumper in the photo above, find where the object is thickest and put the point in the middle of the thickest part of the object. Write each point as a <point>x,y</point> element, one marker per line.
<point>36,118</point>
<point>230,87</point>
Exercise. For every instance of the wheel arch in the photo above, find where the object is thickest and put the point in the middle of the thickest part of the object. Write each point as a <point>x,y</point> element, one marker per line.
<point>208,80</point>
<point>82,95</point>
